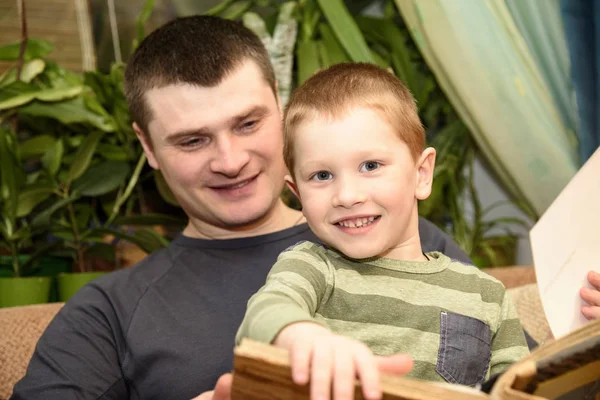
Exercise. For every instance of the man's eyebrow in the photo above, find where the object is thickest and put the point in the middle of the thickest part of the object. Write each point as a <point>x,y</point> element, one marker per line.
<point>254,111</point>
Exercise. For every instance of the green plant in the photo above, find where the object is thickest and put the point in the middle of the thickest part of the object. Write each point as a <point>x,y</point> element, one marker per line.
<point>17,199</point>
<point>81,160</point>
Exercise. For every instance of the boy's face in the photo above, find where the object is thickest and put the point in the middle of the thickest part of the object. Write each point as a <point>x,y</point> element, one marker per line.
<point>359,185</point>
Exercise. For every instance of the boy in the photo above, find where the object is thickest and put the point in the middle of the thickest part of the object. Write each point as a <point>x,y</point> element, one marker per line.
<point>355,150</point>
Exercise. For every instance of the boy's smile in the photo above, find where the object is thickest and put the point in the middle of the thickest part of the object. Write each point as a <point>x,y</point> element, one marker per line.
<point>359,184</point>
<point>358,225</point>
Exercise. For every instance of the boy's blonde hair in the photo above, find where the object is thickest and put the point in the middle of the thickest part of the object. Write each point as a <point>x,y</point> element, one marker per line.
<point>334,91</point>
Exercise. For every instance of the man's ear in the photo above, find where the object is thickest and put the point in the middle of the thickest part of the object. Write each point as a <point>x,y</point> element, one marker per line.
<point>425,166</point>
<point>144,138</point>
<point>292,186</point>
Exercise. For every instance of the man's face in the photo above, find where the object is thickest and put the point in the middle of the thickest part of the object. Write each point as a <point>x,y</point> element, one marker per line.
<point>359,184</point>
<point>219,148</point>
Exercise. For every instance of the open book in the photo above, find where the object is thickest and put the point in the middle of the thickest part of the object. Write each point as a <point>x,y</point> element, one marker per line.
<point>565,244</point>
<point>263,372</point>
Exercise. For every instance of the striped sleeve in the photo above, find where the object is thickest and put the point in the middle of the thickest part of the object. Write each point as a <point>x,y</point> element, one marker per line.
<point>295,287</point>
<point>508,344</point>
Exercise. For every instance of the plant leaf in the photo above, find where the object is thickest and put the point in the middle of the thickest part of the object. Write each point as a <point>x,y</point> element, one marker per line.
<point>26,96</point>
<point>150,239</point>
<point>53,157</point>
<point>69,112</point>
<point>113,152</point>
<point>102,178</point>
<point>146,241</point>
<point>346,30</point>
<point>30,196</point>
<point>84,155</point>
<point>36,146</point>
<point>42,220</point>
<point>307,60</point>
<point>31,69</point>
<point>35,48</point>
<point>335,52</point>
<point>236,10</point>
<point>219,8</point>
<point>9,185</point>
<point>141,21</point>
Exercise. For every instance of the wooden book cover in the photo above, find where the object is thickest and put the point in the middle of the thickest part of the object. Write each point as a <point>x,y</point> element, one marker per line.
<point>569,365</point>
<point>262,371</point>
<point>567,369</point>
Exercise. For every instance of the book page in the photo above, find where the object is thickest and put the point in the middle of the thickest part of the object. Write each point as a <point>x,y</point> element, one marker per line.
<point>565,243</point>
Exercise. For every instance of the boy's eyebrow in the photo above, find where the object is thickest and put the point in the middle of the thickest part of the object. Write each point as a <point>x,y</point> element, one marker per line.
<point>257,111</point>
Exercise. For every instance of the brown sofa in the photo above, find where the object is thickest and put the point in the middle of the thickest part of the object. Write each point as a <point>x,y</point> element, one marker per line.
<point>21,327</point>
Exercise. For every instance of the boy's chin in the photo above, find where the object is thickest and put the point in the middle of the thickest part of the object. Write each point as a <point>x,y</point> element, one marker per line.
<point>356,253</point>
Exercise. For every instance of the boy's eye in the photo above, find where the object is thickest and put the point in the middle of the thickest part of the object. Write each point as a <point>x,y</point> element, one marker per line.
<point>322,176</point>
<point>369,166</point>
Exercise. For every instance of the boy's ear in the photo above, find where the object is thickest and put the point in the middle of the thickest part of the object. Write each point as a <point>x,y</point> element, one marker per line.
<point>292,186</point>
<point>425,166</point>
<point>144,139</point>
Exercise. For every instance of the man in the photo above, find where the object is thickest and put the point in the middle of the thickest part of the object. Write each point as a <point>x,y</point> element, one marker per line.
<point>203,95</point>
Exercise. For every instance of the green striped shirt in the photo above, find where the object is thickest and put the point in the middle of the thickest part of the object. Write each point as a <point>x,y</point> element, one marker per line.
<point>392,306</point>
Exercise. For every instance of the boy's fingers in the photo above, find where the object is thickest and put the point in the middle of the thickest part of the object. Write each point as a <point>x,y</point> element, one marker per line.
<point>368,372</point>
<point>590,312</point>
<point>397,364</point>
<point>321,369</point>
<point>594,279</point>
<point>343,375</point>
<point>300,358</point>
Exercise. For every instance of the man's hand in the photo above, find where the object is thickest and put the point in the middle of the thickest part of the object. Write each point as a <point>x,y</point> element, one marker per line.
<point>592,297</point>
<point>222,390</point>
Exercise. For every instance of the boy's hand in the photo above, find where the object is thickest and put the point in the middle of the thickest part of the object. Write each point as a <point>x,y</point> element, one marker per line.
<point>326,356</point>
<point>592,297</point>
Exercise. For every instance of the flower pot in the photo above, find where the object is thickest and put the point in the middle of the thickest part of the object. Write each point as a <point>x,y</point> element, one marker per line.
<point>69,284</point>
<point>24,291</point>
<point>50,266</point>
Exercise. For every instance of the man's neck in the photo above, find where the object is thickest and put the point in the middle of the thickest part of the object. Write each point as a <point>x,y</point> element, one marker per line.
<point>279,218</point>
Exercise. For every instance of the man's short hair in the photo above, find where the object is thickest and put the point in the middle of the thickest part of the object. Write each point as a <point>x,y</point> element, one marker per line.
<point>198,50</point>
<point>333,92</point>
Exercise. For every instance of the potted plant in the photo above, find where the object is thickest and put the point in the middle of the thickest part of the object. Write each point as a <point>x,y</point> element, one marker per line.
<point>17,237</point>
<point>73,136</point>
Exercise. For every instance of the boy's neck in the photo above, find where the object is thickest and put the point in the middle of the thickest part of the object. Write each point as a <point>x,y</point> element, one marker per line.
<point>409,250</point>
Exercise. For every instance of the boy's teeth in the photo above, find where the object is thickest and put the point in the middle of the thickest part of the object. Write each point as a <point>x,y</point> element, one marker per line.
<point>356,223</point>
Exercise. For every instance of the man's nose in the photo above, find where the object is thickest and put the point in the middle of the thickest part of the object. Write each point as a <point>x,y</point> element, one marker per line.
<point>231,157</point>
<point>349,193</point>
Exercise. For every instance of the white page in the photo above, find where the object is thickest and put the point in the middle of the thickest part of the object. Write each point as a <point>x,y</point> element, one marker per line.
<point>565,243</point>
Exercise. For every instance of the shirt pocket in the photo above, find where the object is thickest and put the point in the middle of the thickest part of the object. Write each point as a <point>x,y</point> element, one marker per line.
<point>465,349</point>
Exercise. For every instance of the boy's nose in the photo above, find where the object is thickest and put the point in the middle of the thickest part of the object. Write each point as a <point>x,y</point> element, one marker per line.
<point>349,194</point>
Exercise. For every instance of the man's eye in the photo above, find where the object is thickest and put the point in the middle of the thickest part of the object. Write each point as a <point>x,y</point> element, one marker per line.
<point>194,142</point>
<point>369,166</point>
<point>249,125</point>
<point>322,176</point>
